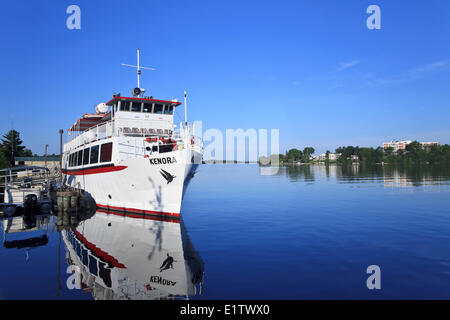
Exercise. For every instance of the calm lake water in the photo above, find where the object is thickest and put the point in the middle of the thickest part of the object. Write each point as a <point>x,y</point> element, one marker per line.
<point>306,232</point>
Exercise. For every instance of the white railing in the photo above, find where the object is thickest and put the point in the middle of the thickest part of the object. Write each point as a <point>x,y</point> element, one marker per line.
<point>134,128</point>
<point>98,132</point>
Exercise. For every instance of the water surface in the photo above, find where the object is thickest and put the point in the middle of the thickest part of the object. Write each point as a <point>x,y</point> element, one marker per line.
<point>305,232</point>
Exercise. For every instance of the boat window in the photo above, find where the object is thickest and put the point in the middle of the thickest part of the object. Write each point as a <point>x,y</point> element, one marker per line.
<point>94,154</point>
<point>80,158</point>
<point>147,107</point>
<point>106,152</point>
<point>168,110</point>
<point>78,249</point>
<point>84,256</point>
<point>136,107</point>
<point>158,108</point>
<point>86,156</point>
<point>70,160</point>
<point>105,274</point>
<point>75,155</point>
<point>92,265</point>
<point>125,105</point>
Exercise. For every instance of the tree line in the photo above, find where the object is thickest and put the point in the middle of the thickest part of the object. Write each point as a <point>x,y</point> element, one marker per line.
<point>414,154</point>
<point>291,156</point>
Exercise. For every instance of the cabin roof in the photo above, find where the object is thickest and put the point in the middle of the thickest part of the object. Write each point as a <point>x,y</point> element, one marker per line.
<point>24,168</point>
<point>38,158</point>
<point>88,120</point>
<point>117,98</point>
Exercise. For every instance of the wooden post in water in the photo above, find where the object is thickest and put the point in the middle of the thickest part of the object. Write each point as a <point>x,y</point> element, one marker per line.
<point>60,157</point>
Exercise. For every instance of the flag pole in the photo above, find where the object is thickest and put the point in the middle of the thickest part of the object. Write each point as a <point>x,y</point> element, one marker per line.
<point>185,109</point>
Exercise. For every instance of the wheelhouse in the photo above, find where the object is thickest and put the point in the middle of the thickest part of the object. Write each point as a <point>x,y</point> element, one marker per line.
<point>142,105</point>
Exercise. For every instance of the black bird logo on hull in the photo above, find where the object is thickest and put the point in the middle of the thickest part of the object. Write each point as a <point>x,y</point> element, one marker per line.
<point>169,177</point>
<point>167,264</point>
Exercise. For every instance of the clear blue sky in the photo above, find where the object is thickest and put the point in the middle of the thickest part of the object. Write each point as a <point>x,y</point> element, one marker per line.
<point>309,68</point>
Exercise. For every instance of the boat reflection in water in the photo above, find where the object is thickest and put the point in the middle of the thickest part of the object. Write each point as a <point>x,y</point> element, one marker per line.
<point>122,257</point>
<point>20,226</point>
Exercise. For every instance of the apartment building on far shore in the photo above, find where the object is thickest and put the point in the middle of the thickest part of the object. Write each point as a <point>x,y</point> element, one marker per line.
<point>401,145</point>
<point>396,145</point>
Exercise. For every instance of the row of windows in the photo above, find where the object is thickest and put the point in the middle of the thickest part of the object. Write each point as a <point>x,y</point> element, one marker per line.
<point>95,265</point>
<point>90,155</point>
<point>145,107</point>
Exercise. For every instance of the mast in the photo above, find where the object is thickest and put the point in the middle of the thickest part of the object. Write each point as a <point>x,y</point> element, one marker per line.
<point>185,109</point>
<point>139,68</point>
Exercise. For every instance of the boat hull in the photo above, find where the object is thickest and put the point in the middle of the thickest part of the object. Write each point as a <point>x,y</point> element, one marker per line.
<point>149,188</point>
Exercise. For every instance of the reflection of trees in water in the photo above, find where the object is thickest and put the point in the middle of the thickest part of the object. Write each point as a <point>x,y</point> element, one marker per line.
<point>408,175</point>
<point>402,176</point>
<point>416,175</point>
<point>298,172</point>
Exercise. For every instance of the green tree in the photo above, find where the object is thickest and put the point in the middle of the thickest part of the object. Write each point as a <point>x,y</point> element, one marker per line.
<point>416,153</point>
<point>3,160</point>
<point>294,155</point>
<point>389,151</point>
<point>307,152</point>
<point>12,147</point>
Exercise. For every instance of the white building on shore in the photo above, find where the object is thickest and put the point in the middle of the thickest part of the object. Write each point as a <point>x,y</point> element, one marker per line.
<point>401,145</point>
<point>323,157</point>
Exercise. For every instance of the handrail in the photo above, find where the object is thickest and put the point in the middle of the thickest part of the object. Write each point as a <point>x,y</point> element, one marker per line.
<point>136,128</point>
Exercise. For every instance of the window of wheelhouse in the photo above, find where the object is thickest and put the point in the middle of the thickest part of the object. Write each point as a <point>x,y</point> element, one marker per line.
<point>80,158</point>
<point>136,106</point>
<point>125,105</point>
<point>168,109</point>
<point>158,109</point>
<point>148,108</point>
<point>106,152</point>
<point>94,155</point>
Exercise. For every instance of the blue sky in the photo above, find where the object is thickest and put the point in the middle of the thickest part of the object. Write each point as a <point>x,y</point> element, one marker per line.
<point>309,68</point>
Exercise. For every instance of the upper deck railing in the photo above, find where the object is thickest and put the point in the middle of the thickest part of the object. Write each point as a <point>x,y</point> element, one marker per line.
<point>135,128</point>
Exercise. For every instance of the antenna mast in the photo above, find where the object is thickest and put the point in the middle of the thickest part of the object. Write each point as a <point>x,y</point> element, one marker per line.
<point>139,68</point>
<point>185,109</point>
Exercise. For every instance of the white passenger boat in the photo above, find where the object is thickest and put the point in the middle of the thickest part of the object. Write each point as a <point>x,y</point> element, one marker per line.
<point>130,157</point>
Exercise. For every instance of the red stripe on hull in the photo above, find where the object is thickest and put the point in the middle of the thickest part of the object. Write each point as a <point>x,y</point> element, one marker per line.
<point>93,170</point>
<point>99,252</point>
<point>140,214</point>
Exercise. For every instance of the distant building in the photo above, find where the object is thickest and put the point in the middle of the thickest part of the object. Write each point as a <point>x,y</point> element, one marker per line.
<point>401,145</point>
<point>396,145</point>
<point>427,145</point>
<point>323,157</point>
<point>52,162</point>
<point>334,156</point>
